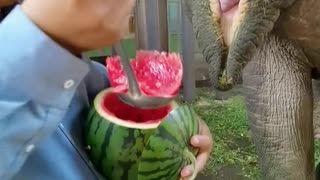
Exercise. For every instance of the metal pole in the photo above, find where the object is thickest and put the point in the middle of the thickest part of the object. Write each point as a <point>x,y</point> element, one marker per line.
<point>163,37</point>
<point>113,51</point>
<point>157,25</point>
<point>152,25</point>
<point>189,82</point>
<point>141,31</point>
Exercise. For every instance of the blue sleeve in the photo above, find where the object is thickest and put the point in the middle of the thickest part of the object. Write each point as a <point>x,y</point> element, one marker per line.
<point>38,79</point>
<point>96,80</point>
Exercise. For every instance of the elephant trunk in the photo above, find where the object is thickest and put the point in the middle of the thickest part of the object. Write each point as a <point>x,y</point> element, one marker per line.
<point>208,34</point>
<point>254,24</point>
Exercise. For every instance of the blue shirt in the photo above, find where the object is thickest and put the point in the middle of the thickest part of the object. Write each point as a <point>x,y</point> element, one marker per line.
<point>45,93</point>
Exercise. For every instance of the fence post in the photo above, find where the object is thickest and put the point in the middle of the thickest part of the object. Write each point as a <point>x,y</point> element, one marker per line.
<point>189,82</point>
<point>152,25</point>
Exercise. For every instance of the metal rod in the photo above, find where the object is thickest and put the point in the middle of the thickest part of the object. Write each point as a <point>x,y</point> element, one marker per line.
<point>189,82</point>
<point>141,31</point>
<point>152,25</point>
<point>132,82</point>
<point>163,25</point>
<point>113,51</point>
<point>157,23</point>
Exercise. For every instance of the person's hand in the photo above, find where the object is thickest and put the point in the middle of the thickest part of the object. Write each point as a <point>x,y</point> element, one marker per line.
<point>81,25</point>
<point>204,142</point>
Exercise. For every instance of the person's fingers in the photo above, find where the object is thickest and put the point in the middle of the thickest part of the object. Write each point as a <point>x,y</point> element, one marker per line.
<point>202,159</point>
<point>203,142</point>
<point>186,171</point>
<point>200,164</point>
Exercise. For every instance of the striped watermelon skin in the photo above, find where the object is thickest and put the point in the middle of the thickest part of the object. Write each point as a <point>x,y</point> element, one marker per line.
<point>121,153</point>
<point>164,156</point>
<point>114,150</point>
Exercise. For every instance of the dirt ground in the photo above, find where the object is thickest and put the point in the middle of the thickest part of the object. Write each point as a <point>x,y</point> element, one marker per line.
<point>225,173</point>
<point>229,172</point>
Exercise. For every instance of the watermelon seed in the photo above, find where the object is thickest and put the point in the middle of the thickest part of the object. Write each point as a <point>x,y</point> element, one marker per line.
<point>158,84</point>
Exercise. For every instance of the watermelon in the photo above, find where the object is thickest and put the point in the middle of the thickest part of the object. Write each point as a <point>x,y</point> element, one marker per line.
<point>129,143</point>
<point>159,74</point>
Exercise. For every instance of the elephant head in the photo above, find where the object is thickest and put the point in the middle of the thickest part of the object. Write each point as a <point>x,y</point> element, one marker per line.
<point>229,31</point>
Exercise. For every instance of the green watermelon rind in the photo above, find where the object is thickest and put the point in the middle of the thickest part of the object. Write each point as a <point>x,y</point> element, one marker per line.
<point>126,151</point>
<point>127,145</point>
<point>178,153</point>
<point>98,106</point>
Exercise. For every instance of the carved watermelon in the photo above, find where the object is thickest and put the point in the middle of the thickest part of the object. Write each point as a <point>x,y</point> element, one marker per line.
<point>142,144</point>
<point>158,73</point>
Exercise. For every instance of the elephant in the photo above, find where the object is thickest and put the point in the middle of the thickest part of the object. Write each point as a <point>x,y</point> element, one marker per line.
<point>274,45</point>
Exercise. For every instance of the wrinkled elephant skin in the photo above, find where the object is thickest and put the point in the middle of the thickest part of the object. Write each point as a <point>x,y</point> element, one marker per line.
<point>275,46</point>
<point>278,88</point>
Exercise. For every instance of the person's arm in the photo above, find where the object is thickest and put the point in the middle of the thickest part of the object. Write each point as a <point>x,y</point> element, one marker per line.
<point>38,79</point>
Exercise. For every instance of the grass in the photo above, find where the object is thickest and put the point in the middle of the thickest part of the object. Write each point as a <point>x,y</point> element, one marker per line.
<point>227,121</point>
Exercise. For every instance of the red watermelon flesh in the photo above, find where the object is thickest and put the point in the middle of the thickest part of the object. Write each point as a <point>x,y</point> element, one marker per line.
<point>158,73</point>
<point>132,114</point>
